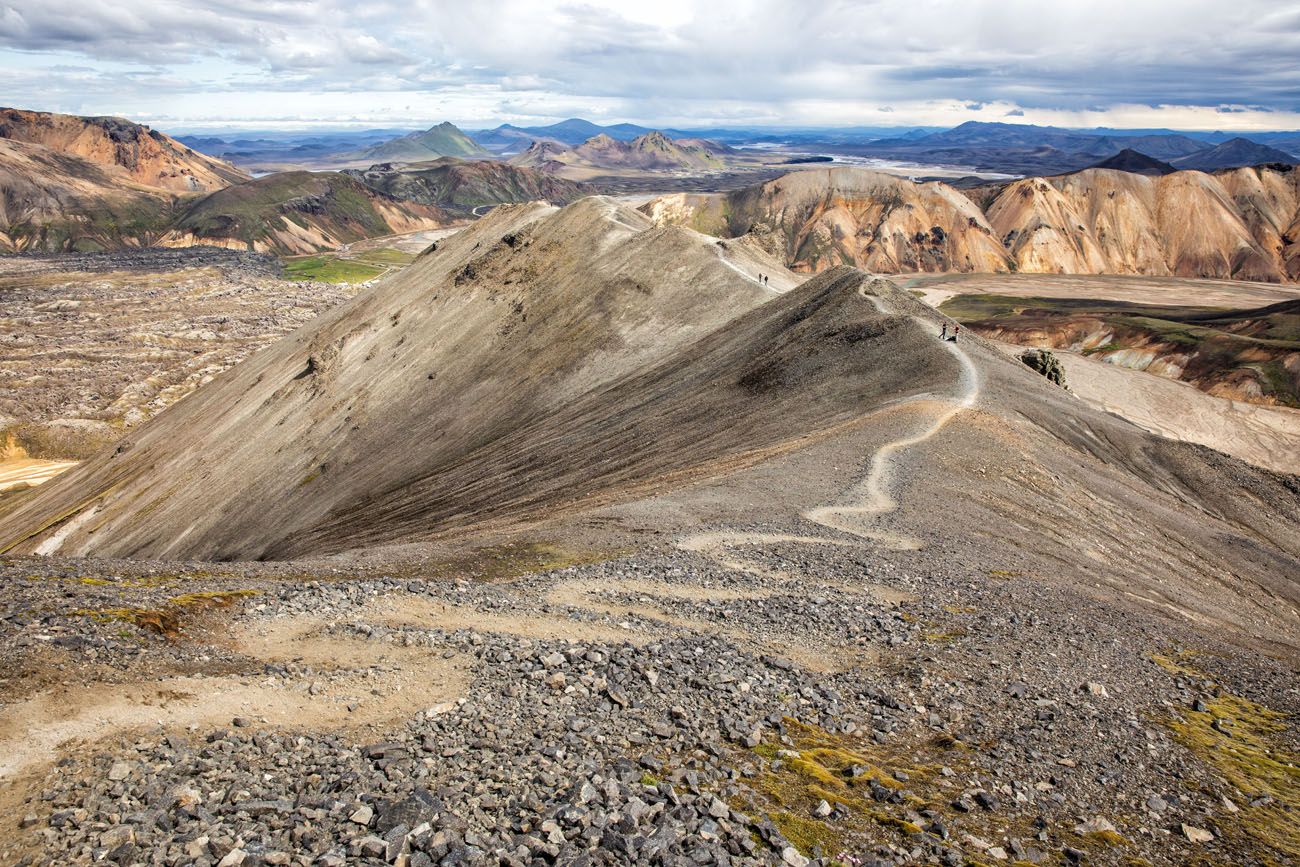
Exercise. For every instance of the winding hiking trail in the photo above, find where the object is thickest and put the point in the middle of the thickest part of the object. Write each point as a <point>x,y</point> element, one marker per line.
<point>868,499</point>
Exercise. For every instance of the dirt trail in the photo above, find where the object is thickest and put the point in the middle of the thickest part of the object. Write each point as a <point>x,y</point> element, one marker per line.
<point>351,683</point>
<point>870,498</point>
<point>653,601</point>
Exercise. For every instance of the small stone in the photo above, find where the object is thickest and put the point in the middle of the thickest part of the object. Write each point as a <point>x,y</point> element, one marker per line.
<point>719,810</point>
<point>791,856</point>
<point>241,722</point>
<point>1095,825</point>
<point>233,858</point>
<point>1229,806</point>
<point>120,771</point>
<point>362,815</point>
<point>1157,804</point>
<point>29,820</point>
<point>118,835</point>
<point>553,659</point>
<point>1197,835</point>
<point>997,853</point>
<point>822,810</point>
<point>557,680</point>
<point>1094,688</point>
<point>374,847</point>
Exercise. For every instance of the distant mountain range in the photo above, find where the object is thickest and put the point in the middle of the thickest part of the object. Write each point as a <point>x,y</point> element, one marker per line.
<point>460,187</point>
<point>1045,150</point>
<point>651,151</point>
<point>1010,148</point>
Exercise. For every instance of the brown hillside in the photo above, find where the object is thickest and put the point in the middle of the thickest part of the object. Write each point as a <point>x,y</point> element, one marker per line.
<point>817,219</point>
<point>490,335</point>
<point>1239,224</point>
<point>144,155</point>
<point>57,202</point>
<point>1098,221</point>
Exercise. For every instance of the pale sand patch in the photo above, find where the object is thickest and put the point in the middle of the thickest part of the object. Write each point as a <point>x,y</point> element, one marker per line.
<point>29,472</point>
<point>1266,436</point>
<point>384,683</point>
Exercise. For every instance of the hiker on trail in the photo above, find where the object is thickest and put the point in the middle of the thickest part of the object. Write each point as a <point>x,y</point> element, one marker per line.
<point>944,336</point>
<point>956,329</point>
<point>764,279</point>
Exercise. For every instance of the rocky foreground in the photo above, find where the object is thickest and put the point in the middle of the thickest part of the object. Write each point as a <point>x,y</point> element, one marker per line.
<point>654,709</point>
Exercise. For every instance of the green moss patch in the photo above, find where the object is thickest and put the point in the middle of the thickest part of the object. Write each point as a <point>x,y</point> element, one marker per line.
<point>1245,743</point>
<point>330,269</point>
<point>839,769</point>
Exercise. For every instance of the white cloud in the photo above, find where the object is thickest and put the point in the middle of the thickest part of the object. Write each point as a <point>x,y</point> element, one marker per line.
<point>1144,62</point>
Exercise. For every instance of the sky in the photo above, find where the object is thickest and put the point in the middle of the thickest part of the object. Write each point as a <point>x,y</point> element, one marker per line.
<point>1189,64</point>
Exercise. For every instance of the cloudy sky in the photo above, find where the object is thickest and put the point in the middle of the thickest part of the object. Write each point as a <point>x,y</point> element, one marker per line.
<point>1190,64</point>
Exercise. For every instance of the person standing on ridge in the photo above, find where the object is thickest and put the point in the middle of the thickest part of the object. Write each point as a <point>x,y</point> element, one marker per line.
<point>944,335</point>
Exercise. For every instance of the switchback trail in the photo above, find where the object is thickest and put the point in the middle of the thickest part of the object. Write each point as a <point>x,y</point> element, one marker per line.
<point>868,499</point>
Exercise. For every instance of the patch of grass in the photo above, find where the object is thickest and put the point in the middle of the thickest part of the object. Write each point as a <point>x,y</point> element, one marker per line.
<point>330,269</point>
<point>807,835</point>
<point>386,256</point>
<point>1243,741</point>
<point>211,598</point>
<point>824,769</point>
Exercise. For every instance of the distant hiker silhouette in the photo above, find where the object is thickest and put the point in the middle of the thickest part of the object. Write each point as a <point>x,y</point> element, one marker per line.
<point>944,335</point>
<point>956,329</point>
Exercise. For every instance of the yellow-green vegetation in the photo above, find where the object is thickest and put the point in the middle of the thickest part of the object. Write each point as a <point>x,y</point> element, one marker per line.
<point>212,598</point>
<point>385,256</point>
<point>166,621</point>
<point>325,268</point>
<point>942,636</point>
<point>151,619</point>
<point>503,562</point>
<point>823,770</point>
<point>1241,740</point>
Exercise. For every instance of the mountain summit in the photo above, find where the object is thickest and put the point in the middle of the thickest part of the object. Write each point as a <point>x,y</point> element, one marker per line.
<point>443,140</point>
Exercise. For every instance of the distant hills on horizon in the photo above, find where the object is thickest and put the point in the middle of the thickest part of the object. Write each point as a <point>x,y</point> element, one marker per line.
<point>1024,149</point>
